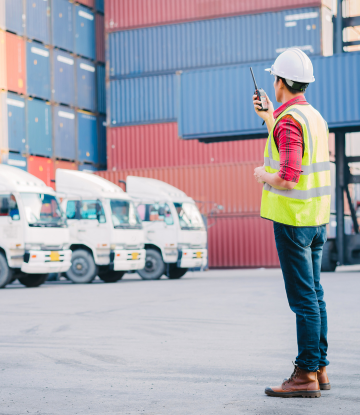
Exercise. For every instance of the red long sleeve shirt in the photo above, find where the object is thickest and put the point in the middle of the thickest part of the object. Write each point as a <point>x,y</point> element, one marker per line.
<point>288,137</point>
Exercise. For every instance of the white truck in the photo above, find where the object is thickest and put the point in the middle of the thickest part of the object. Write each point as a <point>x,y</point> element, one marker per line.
<point>34,237</point>
<point>107,236</point>
<point>175,234</point>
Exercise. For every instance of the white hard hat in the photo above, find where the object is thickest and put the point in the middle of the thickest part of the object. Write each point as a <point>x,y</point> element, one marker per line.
<point>293,65</point>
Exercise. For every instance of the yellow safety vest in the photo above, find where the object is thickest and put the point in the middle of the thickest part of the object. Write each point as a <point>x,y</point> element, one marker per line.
<point>308,204</point>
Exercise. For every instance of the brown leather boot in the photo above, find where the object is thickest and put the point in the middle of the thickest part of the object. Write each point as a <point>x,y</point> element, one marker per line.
<point>323,379</point>
<point>300,384</point>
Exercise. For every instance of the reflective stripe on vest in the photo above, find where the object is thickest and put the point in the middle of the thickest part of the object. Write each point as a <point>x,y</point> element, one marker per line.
<point>308,204</point>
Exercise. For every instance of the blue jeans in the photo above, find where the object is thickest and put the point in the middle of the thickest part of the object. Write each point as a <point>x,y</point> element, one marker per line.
<point>300,253</point>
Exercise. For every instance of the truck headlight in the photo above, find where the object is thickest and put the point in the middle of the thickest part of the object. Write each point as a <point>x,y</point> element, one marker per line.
<point>35,247</point>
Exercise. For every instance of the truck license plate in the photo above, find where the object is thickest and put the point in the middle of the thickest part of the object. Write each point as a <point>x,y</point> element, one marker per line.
<point>198,254</point>
<point>54,256</point>
<point>135,255</point>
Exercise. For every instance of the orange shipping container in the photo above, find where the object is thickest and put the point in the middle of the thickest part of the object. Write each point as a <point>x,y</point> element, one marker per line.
<point>42,168</point>
<point>231,185</point>
<point>12,63</point>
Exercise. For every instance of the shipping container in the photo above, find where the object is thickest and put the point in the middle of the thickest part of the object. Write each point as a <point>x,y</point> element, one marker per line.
<point>12,122</point>
<point>99,5</point>
<point>88,3</point>
<point>87,137</point>
<point>102,140</point>
<point>39,128</point>
<point>129,14</point>
<point>64,133</point>
<point>100,37</point>
<point>63,77</point>
<point>84,32</point>
<point>143,100</point>
<point>101,90</point>
<point>231,185</point>
<point>12,63</point>
<point>43,168</point>
<point>86,84</point>
<point>38,20</point>
<point>241,242</point>
<point>62,24</point>
<point>87,168</point>
<point>158,145</point>
<point>216,102</point>
<point>38,70</point>
<point>232,40</point>
<point>12,17</point>
<point>15,160</point>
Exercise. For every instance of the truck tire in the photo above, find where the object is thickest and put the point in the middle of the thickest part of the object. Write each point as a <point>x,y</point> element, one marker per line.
<point>154,266</point>
<point>328,264</point>
<point>175,273</point>
<point>83,269</point>
<point>112,276</point>
<point>6,273</point>
<point>33,280</point>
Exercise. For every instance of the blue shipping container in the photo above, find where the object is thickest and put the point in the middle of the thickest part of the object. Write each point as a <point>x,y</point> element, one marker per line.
<point>64,133</point>
<point>38,71</point>
<point>12,16</point>
<point>86,84</point>
<point>87,138</point>
<point>101,91</point>
<point>64,77</point>
<point>15,160</point>
<point>232,40</point>
<point>38,20</point>
<point>143,100</point>
<point>62,24</point>
<point>12,122</point>
<point>84,32</point>
<point>99,5</point>
<point>39,128</point>
<point>217,102</point>
<point>102,140</point>
<point>87,168</point>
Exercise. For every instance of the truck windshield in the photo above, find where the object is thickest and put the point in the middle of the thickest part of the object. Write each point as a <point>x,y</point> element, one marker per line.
<point>124,215</point>
<point>189,216</point>
<point>42,210</point>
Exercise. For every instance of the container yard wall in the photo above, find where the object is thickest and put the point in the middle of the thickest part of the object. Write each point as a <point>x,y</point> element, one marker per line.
<point>165,49</point>
<point>158,145</point>
<point>102,140</point>
<point>15,160</point>
<point>126,14</point>
<point>64,77</point>
<point>86,84</point>
<point>230,185</point>
<point>99,5</point>
<point>38,70</point>
<point>143,100</point>
<point>241,242</point>
<point>39,128</point>
<point>87,137</point>
<point>101,90</point>
<point>64,133</point>
<point>62,24</point>
<point>12,63</point>
<point>38,20</point>
<point>84,32</point>
<point>12,122</point>
<point>12,16</point>
<point>100,38</point>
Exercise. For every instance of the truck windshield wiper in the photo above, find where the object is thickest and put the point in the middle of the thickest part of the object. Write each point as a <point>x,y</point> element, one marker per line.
<point>127,226</point>
<point>47,225</point>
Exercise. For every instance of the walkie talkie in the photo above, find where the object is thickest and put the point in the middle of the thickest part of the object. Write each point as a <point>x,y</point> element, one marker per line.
<point>261,95</point>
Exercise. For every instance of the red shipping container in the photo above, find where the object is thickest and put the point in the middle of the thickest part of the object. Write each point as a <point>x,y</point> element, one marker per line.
<point>12,63</point>
<point>231,185</point>
<point>158,145</point>
<point>128,14</point>
<point>241,242</point>
<point>100,37</point>
<point>42,168</point>
<point>88,3</point>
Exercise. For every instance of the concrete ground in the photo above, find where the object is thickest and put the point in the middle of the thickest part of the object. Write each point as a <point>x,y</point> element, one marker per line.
<point>206,344</point>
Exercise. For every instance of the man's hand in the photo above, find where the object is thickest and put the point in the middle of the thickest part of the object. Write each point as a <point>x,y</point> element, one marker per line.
<point>258,173</point>
<point>267,116</point>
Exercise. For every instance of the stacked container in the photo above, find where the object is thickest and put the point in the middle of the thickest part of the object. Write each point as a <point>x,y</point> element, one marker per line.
<point>150,43</point>
<point>52,78</point>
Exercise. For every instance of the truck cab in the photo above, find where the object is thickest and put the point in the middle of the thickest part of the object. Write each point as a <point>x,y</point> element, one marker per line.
<point>34,237</point>
<point>107,236</point>
<point>175,234</point>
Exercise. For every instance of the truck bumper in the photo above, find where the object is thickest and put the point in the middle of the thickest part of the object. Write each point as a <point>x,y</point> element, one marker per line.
<point>192,258</point>
<point>44,262</point>
<point>127,260</point>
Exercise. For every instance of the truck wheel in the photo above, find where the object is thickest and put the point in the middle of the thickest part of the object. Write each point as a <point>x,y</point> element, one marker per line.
<point>83,269</point>
<point>154,266</point>
<point>175,273</point>
<point>112,276</point>
<point>328,264</point>
<point>33,280</point>
<point>6,273</point>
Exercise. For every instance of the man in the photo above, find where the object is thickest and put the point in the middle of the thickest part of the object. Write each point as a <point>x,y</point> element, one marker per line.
<point>296,197</point>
